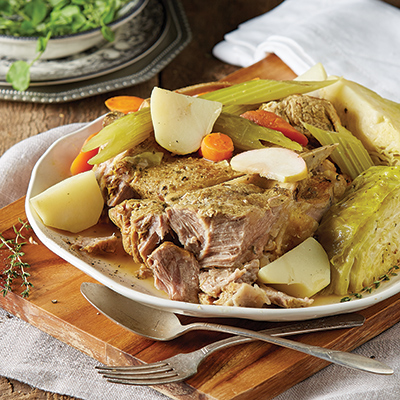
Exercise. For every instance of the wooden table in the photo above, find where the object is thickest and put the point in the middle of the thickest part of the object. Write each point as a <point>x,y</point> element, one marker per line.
<point>209,21</point>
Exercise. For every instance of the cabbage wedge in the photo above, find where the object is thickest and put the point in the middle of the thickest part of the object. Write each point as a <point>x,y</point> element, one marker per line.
<point>361,233</point>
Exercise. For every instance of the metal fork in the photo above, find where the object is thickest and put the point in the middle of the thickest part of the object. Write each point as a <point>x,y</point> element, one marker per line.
<point>183,366</point>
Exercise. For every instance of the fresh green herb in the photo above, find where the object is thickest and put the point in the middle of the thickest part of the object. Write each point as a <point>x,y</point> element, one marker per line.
<point>374,285</point>
<point>49,18</point>
<point>15,266</point>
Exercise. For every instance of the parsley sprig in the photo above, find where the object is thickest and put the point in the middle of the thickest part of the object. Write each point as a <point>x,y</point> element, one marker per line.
<point>15,266</point>
<point>45,19</point>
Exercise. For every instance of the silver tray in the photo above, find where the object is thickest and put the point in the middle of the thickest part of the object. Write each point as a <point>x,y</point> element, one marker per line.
<point>173,35</point>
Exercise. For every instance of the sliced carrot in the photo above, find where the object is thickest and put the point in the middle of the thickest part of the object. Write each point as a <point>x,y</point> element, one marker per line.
<point>216,147</point>
<point>201,94</point>
<point>124,104</point>
<point>80,163</point>
<point>273,121</point>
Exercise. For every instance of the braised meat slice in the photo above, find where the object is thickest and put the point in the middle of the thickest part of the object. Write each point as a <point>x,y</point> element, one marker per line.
<point>96,245</point>
<point>214,280</point>
<point>180,175</point>
<point>311,198</point>
<point>243,295</point>
<point>143,225</point>
<point>115,175</point>
<point>175,271</point>
<point>123,177</point>
<point>284,300</point>
<point>297,109</point>
<point>225,225</point>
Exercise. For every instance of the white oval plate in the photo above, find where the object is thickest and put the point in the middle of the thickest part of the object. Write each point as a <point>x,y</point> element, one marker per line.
<point>53,167</point>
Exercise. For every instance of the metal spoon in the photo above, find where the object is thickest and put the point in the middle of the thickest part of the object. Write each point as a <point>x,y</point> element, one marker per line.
<point>164,325</point>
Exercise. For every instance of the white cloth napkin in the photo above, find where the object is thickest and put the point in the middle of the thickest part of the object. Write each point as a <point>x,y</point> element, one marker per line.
<point>356,39</point>
<point>33,357</point>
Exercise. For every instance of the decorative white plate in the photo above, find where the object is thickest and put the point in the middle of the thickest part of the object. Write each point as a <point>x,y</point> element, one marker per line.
<point>53,167</point>
<point>133,58</point>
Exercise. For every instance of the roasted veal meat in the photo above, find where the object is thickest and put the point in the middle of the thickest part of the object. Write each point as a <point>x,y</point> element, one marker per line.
<point>175,271</point>
<point>124,177</point>
<point>227,226</point>
<point>97,245</point>
<point>143,224</point>
<point>297,109</point>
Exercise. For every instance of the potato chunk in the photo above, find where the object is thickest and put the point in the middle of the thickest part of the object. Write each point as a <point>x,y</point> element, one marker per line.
<point>300,272</point>
<point>180,122</point>
<point>73,204</point>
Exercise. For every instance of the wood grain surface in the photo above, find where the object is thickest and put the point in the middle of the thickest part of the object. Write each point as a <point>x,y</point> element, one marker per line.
<point>209,21</point>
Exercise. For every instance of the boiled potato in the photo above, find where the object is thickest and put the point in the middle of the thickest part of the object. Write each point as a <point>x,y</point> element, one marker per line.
<point>301,272</point>
<point>180,122</point>
<point>371,118</point>
<point>73,204</point>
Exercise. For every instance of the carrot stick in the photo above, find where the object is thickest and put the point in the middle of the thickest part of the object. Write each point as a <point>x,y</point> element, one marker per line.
<point>124,104</point>
<point>80,163</point>
<point>216,147</point>
<point>273,121</point>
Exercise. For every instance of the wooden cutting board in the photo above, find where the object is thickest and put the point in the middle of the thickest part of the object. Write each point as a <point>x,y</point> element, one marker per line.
<point>251,371</point>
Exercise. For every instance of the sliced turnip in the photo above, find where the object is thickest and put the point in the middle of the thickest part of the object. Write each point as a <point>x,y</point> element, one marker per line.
<point>180,122</point>
<point>74,204</point>
<point>301,272</point>
<point>276,163</point>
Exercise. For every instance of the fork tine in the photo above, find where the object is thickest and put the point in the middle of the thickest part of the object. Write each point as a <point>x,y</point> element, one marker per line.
<point>157,373</point>
<point>141,373</point>
<point>132,368</point>
<point>157,376</point>
<point>146,382</point>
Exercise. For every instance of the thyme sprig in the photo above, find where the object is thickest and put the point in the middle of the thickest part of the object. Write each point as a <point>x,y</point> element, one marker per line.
<point>374,285</point>
<point>15,266</point>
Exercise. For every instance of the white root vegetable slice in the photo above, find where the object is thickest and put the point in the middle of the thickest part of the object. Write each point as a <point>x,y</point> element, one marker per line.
<point>300,272</point>
<point>276,163</point>
<point>73,204</point>
<point>180,122</point>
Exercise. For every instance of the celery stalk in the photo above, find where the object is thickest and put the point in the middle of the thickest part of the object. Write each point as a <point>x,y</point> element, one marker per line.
<point>247,135</point>
<point>132,129</point>
<point>351,155</point>
<point>123,134</point>
<point>238,109</point>
<point>263,90</point>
